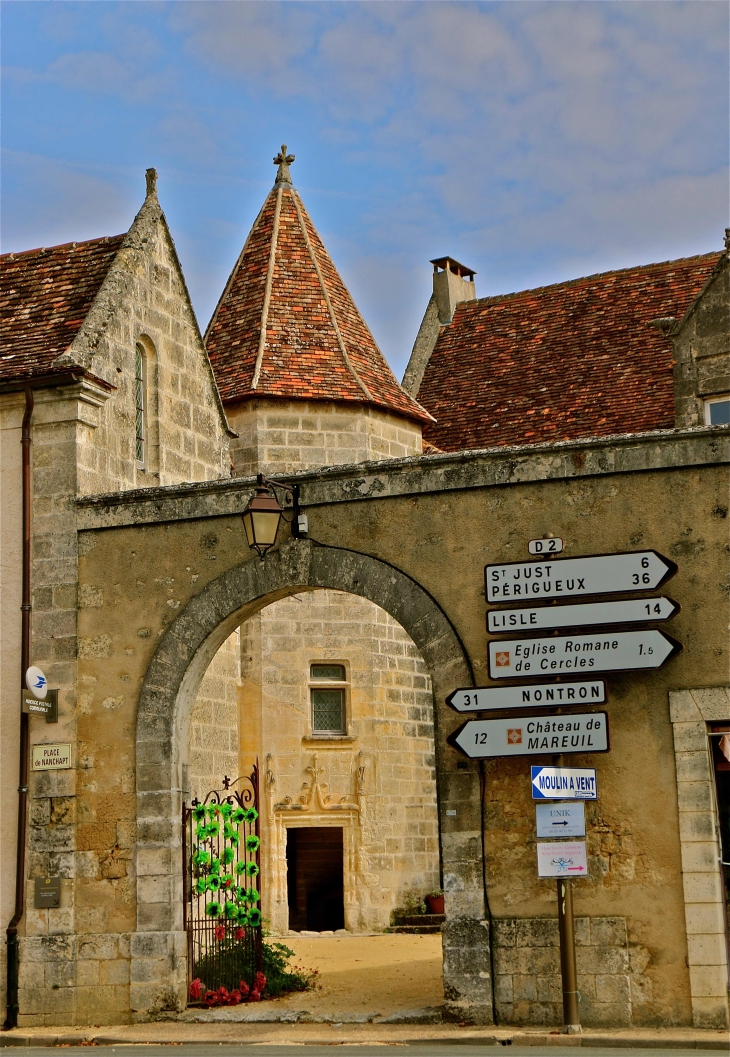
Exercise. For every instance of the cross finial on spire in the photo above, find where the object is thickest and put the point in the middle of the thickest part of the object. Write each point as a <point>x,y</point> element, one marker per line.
<point>283,160</point>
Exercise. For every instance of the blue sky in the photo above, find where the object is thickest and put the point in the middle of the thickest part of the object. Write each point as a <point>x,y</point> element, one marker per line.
<point>533,141</point>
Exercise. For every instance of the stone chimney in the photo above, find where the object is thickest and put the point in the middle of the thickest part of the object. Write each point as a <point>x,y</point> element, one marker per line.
<point>452,284</point>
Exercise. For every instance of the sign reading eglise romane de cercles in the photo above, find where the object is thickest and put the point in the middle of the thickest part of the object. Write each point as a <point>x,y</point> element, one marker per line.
<point>561,577</point>
<point>532,735</point>
<point>607,651</point>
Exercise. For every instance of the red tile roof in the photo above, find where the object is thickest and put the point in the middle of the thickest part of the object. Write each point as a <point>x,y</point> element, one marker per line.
<point>45,295</point>
<point>575,359</point>
<point>315,345</point>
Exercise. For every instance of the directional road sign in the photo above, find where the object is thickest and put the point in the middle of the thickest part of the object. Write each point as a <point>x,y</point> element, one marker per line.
<point>562,859</point>
<point>491,698</point>
<point>539,618</point>
<point>563,783</point>
<point>607,651</point>
<point>532,735</point>
<point>561,577</point>
<point>561,820</point>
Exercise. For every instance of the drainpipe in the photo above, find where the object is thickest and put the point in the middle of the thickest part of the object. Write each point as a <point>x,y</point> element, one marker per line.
<point>12,929</point>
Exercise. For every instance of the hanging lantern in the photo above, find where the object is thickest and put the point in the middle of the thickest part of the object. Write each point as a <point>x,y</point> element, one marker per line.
<point>261,519</point>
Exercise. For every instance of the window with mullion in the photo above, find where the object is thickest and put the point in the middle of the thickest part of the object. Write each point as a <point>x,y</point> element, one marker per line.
<point>328,703</point>
<point>140,404</point>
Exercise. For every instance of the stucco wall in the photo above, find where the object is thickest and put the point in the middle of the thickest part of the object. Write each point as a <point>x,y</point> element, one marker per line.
<point>281,436</point>
<point>439,520</point>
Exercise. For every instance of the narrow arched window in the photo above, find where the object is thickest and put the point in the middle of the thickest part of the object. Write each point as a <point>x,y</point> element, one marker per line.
<point>140,402</point>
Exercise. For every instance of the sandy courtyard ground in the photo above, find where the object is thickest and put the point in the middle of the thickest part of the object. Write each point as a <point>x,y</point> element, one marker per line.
<point>367,974</point>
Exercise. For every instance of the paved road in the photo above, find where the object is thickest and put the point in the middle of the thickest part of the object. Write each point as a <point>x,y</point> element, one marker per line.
<point>421,1049</point>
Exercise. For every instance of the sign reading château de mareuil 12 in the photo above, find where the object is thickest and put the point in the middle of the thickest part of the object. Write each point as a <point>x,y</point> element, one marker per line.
<point>492,698</point>
<point>531,735</point>
<point>563,783</point>
<point>540,618</point>
<point>561,577</point>
<point>606,651</point>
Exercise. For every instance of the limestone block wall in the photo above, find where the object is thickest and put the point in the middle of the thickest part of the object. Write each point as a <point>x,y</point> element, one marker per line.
<point>528,988</point>
<point>702,352</point>
<point>84,442</point>
<point>282,436</point>
<point>377,781</point>
<point>214,723</point>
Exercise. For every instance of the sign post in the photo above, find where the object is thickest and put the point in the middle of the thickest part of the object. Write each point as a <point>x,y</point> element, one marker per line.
<point>606,651</point>
<point>566,928</point>
<point>481,739</point>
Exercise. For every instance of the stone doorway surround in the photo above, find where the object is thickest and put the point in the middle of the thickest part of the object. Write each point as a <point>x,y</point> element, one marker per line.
<point>691,711</point>
<point>158,968</point>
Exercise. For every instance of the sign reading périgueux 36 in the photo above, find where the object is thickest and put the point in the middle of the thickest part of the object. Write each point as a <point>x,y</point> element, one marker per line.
<point>596,575</point>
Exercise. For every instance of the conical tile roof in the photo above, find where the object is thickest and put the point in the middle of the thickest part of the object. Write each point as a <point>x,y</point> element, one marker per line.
<point>286,326</point>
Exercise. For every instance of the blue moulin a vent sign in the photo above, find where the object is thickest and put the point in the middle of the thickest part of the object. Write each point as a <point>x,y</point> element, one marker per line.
<point>564,783</point>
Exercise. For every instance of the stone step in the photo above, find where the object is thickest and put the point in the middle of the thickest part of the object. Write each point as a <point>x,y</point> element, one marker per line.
<point>424,930</point>
<point>422,919</point>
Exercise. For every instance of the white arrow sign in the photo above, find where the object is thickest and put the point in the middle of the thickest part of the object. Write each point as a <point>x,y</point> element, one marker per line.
<point>607,651</point>
<point>563,783</point>
<point>532,735</point>
<point>561,577</point>
<point>491,698</point>
<point>560,820</point>
<point>627,611</point>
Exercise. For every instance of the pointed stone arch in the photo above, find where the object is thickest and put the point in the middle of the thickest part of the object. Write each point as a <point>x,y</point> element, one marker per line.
<point>165,705</point>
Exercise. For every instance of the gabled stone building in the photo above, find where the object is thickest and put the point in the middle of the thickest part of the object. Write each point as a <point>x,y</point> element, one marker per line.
<point>566,406</point>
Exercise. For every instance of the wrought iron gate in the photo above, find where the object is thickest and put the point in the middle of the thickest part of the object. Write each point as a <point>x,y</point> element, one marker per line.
<point>222,888</point>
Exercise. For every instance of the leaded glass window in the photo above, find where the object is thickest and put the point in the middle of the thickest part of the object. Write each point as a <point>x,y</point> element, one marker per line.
<point>328,702</point>
<point>140,403</point>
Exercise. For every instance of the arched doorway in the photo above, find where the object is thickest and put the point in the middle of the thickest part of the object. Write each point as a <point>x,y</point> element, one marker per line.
<point>331,697</point>
<point>165,707</point>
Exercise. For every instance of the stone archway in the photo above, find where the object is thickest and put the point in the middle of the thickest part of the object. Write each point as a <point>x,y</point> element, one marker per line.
<point>158,947</point>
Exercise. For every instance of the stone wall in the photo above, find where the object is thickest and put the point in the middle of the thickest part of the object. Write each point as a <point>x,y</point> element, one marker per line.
<point>528,987</point>
<point>214,745</point>
<point>377,781</point>
<point>284,436</point>
<point>702,351</point>
<point>83,442</point>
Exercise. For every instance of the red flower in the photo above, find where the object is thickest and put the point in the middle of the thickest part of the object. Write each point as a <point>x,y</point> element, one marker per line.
<point>196,990</point>
<point>222,994</point>
<point>260,983</point>
<point>211,998</point>
<point>254,996</point>
<point>244,988</point>
<point>220,932</point>
<point>239,933</point>
<point>234,997</point>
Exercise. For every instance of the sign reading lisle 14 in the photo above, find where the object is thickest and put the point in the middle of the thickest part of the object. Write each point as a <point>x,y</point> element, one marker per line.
<point>608,651</point>
<point>596,575</point>
<point>540,618</point>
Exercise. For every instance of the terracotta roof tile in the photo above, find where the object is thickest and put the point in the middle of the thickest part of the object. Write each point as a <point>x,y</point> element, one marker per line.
<point>316,345</point>
<point>45,295</point>
<point>571,360</point>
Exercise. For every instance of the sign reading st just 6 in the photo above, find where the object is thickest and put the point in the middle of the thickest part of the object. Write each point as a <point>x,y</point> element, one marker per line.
<point>607,651</point>
<point>532,735</point>
<point>561,577</point>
